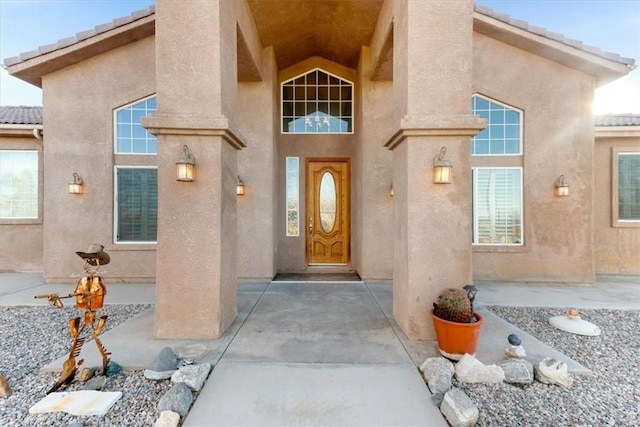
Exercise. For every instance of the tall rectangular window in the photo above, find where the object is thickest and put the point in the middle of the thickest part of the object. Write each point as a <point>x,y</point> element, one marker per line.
<point>629,187</point>
<point>293,208</point>
<point>136,217</point>
<point>497,206</point>
<point>18,184</point>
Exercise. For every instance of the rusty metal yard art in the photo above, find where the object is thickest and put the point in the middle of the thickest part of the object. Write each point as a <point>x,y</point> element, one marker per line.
<point>89,295</point>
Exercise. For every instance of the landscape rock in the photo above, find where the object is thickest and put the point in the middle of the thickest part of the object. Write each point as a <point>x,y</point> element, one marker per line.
<point>178,399</point>
<point>166,360</point>
<point>192,376</point>
<point>96,383</point>
<point>514,351</point>
<point>157,376</point>
<point>85,374</point>
<point>167,419</point>
<point>552,371</point>
<point>113,369</point>
<point>5,388</point>
<point>471,370</point>
<point>437,372</point>
<point>513,339</point>
<point>79,403</point>
<point>517,371</point>
<point>75,424</point>
<point>459,409</point>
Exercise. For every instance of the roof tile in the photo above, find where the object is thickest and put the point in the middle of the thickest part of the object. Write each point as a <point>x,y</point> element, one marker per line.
<point>20,115</point>
<point>618,120</point>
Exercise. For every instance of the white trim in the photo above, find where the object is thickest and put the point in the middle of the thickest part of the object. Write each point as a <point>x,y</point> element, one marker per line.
<point>475,198</point>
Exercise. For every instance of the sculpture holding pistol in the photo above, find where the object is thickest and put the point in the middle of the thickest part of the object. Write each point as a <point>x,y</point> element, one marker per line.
<point>89,295</point>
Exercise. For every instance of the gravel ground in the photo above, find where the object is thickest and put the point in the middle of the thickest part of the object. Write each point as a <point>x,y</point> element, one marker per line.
<point>31,337</point>
<point>611,397</point>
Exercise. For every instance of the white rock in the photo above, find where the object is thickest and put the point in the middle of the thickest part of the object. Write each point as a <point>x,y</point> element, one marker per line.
<point>167,419</point>
<point>193,376</point>
<point>552,371</point>
<point>79,403</point>
<point>471,370</point>
<point>514,351</point>
<point>458,409</point>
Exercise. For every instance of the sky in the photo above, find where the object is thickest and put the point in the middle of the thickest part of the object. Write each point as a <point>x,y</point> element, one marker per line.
<point>611,25</point>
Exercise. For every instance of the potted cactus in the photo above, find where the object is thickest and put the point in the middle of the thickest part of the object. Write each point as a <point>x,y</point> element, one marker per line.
<point>457,326</point>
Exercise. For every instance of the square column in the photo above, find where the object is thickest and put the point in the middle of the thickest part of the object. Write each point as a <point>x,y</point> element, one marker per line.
<point>196,81</point>
<point>432,81</point>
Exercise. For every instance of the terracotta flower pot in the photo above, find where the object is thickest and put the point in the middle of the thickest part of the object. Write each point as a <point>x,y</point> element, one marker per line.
<point>456,339</point>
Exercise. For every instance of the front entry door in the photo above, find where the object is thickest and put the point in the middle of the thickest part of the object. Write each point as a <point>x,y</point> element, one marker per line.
<point>328,224</point>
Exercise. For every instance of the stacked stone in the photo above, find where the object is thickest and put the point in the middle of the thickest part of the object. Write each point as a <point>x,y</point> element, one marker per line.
<point>188,378</point>
<point>458,408</point>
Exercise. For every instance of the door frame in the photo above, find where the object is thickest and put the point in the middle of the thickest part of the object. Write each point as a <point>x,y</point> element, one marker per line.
<point>347,208</point>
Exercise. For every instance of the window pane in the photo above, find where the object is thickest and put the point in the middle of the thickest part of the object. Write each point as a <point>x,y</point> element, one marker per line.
<point>503,128</point>
<point>323,104</point>
<point>137,201</point>
<point>629,187</point>
<point>18,184</point>
<point>497,206</point>
<point>128,127</point>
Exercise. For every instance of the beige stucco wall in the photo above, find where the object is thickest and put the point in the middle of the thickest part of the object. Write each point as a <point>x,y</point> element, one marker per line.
<point>78,111</point>
<point>558,140</point>
<point>21,239</point>
<point>617,249</point>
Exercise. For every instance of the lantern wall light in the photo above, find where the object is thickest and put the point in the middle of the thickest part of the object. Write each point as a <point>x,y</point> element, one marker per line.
<point>76,186</point>
<point>562,188</point>
<point>186,166</point>
<point>442,168</point>
<point>240,187</point>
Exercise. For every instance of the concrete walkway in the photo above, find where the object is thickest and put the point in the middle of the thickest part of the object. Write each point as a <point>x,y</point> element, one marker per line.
<point>320,353</point>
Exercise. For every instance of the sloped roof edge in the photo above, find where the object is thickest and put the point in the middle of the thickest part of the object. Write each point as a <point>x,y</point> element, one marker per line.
<point>31,66</point>
<point>606,66</point>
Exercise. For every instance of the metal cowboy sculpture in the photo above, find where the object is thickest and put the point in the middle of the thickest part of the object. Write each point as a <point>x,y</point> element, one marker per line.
<point>89,294</point>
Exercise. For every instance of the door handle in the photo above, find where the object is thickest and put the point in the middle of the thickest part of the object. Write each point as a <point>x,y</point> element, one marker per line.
<point>311,226</point>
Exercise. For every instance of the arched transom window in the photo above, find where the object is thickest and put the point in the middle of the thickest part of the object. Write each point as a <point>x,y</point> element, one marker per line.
<point>317,102</point>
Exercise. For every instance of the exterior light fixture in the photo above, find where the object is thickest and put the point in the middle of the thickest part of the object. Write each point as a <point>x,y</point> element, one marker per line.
<point>391,191</point>
<point>562,188</point>
<point>186,166</point>
<point>442,168</point>
<point>76,186</point>
<point>240,187</point>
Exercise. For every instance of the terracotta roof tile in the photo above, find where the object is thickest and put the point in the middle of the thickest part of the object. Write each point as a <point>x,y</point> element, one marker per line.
<point>618,120</point>
<point>20,115</point>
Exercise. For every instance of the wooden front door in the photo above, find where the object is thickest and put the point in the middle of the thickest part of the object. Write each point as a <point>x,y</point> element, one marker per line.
<point>327,211</point>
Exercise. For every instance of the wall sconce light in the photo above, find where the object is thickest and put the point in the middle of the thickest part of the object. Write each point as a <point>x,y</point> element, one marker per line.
<point>186,166</point>
<point>240,187</point>
<point>442,168</point>
<point>562,188</point>
<point>76,186</point>
<point>391,191</point>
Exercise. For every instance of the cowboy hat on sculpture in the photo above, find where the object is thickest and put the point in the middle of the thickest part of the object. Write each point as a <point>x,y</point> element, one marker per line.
<point>95,255</point>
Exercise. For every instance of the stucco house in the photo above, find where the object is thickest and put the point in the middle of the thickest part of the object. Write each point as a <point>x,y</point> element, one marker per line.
<point>317,132</point>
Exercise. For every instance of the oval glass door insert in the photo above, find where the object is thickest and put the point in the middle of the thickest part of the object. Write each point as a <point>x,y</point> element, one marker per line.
<point>327,202</point>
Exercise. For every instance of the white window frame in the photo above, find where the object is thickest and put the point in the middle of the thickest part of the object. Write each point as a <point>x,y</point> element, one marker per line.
<point>475,209</point>
<point>116,210</point>
<point>615,187</point>
<point>520,128</point>
<point>38,172</point>
<point>115,127</point>
<point>282,100</point>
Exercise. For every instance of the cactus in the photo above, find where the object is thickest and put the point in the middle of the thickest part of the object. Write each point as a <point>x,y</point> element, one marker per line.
<point>454,305</point>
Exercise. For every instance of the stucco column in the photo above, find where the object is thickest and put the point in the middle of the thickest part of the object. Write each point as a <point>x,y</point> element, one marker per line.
<point>432,95</point>
<point>196,273</point>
